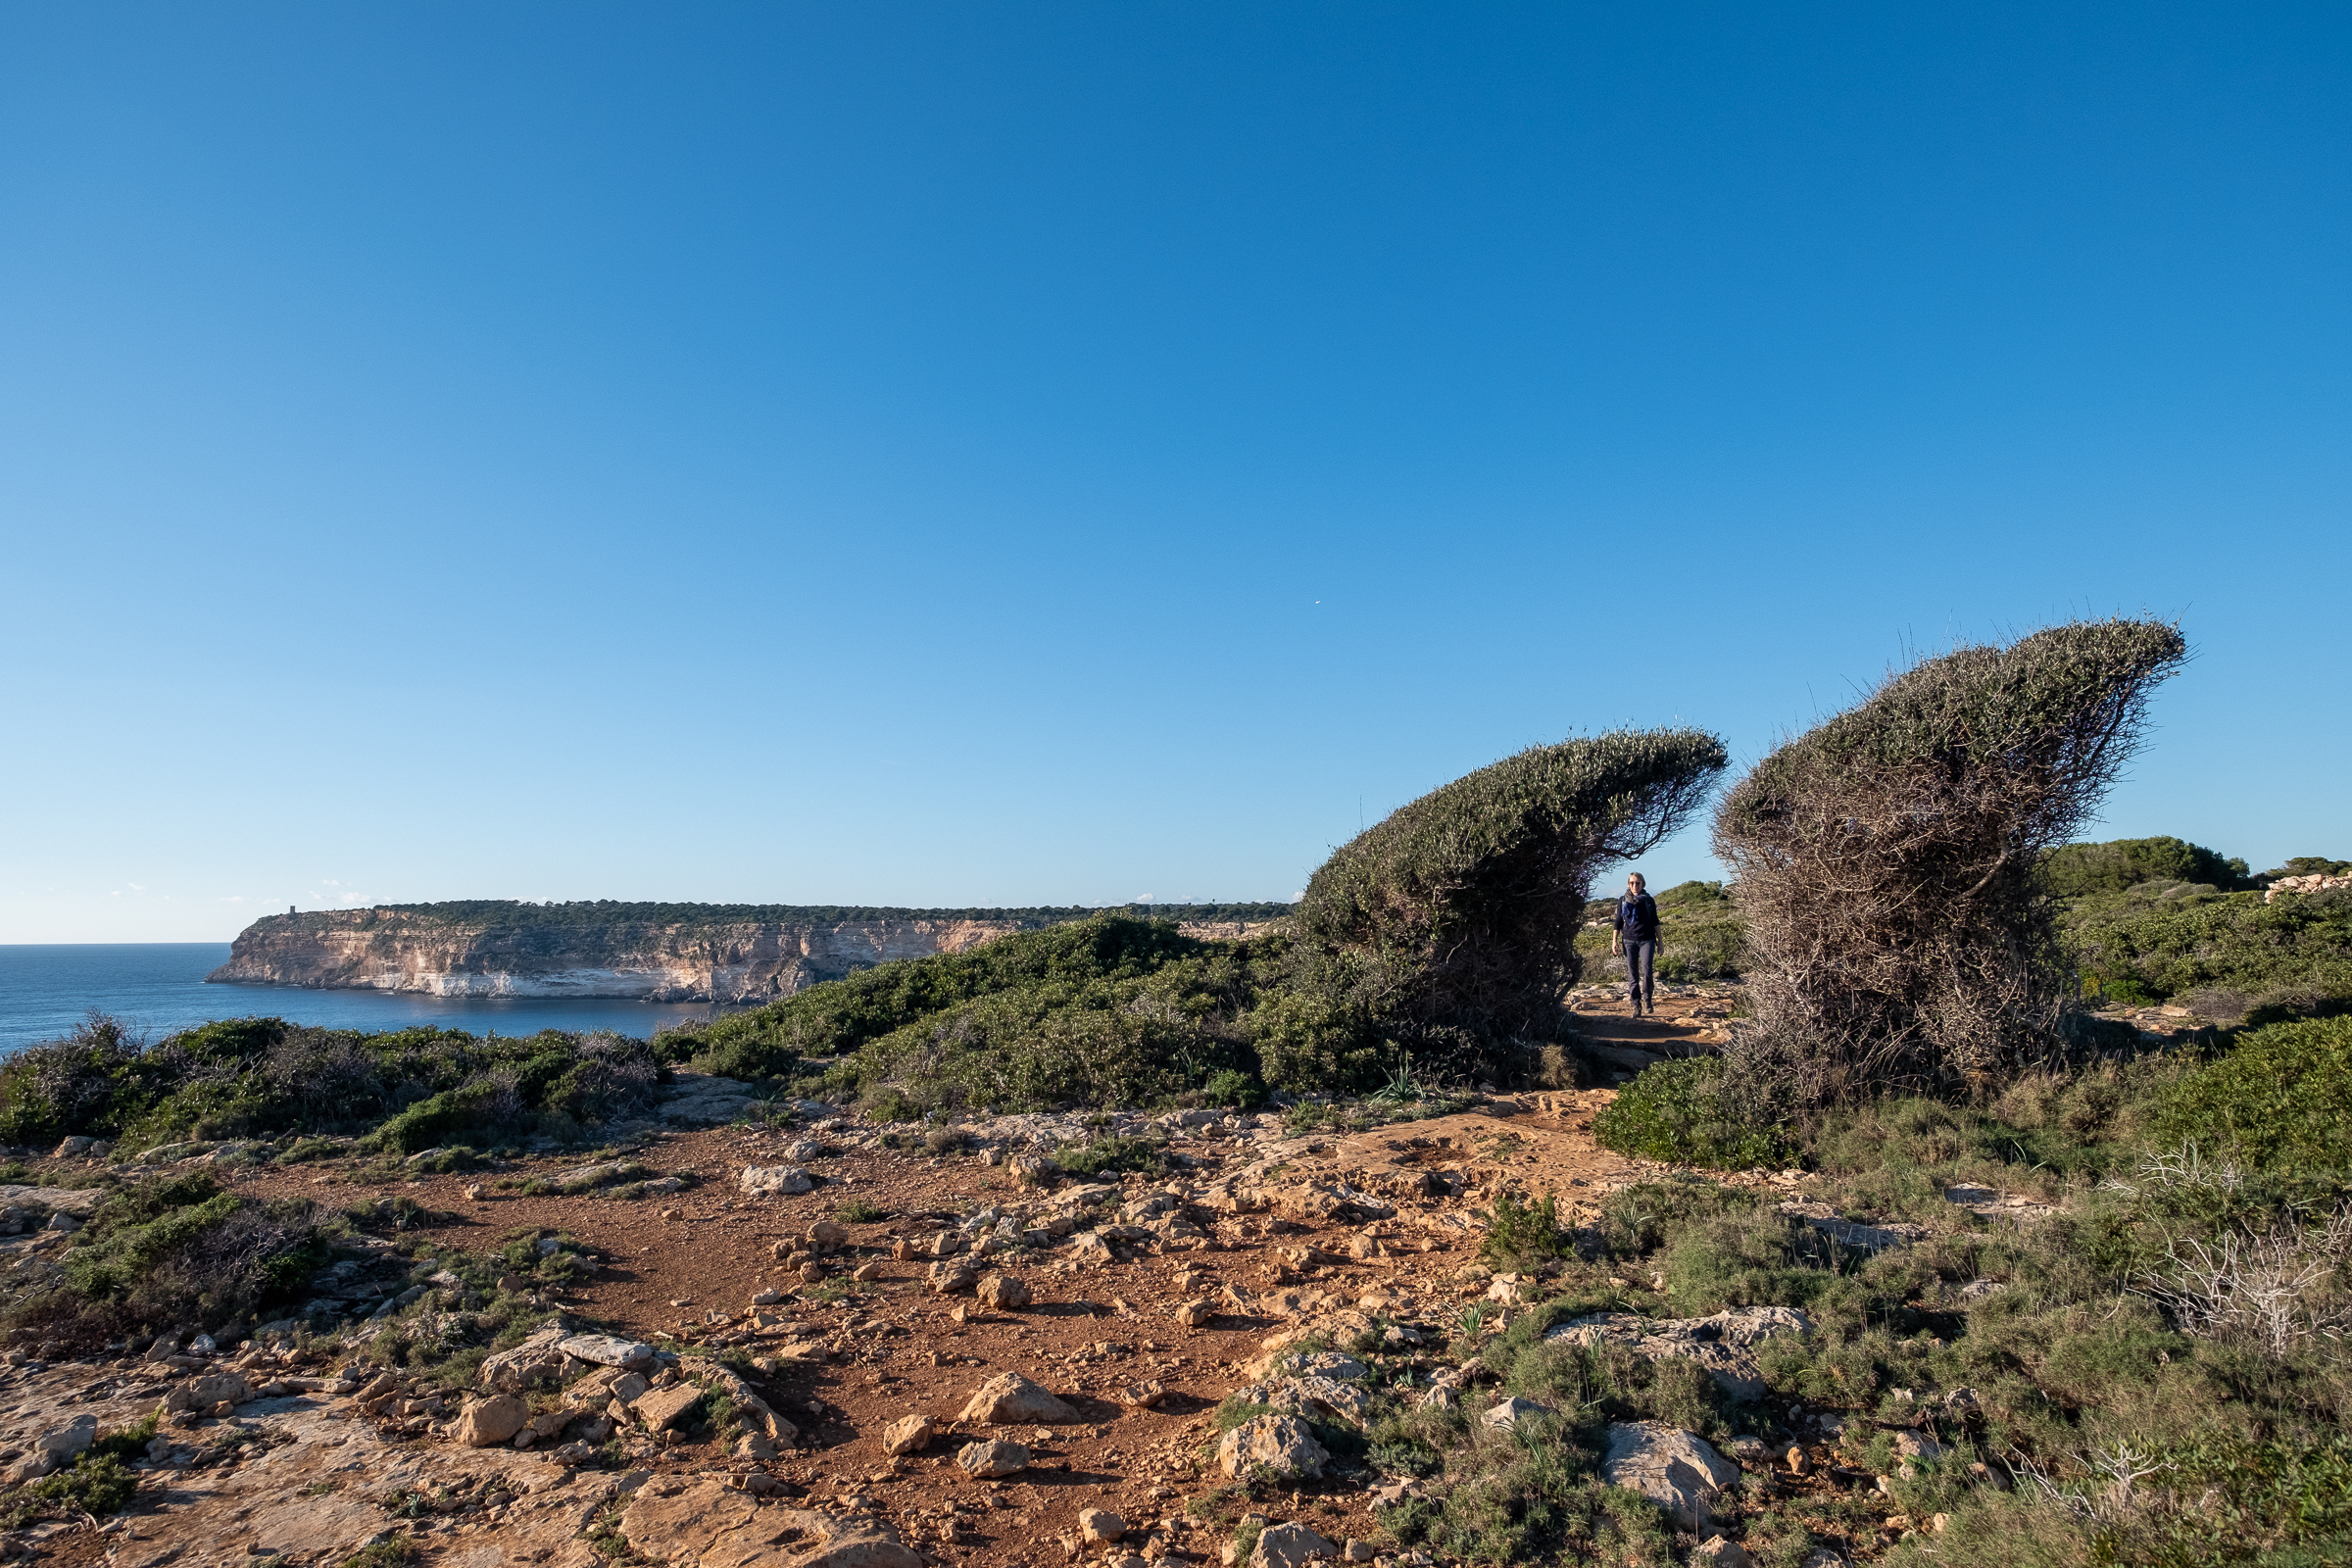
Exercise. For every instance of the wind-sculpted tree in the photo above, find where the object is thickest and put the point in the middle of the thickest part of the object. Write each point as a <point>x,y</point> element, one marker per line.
<point>1449,926</point>
<point>1897,935</point>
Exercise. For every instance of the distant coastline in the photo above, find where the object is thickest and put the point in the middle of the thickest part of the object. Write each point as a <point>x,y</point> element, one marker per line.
<point>725,954</point>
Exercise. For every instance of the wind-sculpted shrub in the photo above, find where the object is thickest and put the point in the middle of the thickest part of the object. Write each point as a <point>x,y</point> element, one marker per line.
<point>1449,926</point>
<point>1887,860</point>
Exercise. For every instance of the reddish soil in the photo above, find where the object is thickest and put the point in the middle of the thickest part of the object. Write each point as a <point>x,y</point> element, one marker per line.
<point>901,1350</point>
<point>895,1347</point>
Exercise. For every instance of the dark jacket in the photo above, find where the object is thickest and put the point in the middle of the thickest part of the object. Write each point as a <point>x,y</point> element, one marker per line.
<point>1638,918</point>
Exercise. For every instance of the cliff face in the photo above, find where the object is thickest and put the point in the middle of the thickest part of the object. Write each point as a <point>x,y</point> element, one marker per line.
<point>739,961</point>
<point>653,953</point>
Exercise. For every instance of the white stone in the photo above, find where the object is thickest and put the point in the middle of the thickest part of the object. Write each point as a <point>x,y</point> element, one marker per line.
<point>1674,1469</point>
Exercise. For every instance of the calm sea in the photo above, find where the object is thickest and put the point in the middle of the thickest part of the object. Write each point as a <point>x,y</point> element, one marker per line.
<point>159,987</point>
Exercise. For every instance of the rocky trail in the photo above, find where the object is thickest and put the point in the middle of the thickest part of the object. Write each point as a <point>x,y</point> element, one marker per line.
<point>805,1345</point>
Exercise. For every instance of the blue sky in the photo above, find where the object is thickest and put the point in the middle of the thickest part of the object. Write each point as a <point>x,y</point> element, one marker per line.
<point>966,455</point>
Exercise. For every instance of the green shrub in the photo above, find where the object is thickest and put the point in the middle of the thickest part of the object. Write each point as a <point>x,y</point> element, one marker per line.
<point>398,1552</point>
<point>1898,935</point>
<point>1677,1111</point>
<point>257,1077</point>
<point>1112,1155</point>
<point>1230,1086</point>
<point>1449,925</point>
<point>1105,1011</point>
<point>167,1252</point>
<point>2072,871</point>
<point>2211,1503</point>
<point>1524,1234</point>
<point>2233,954</point>
<point>130,1445</point>
<point>97,1483</point>
<point>845,1015</point>
<point>2281,1096</point>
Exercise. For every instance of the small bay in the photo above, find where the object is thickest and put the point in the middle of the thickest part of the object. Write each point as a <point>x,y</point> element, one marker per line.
<point>158,987</point>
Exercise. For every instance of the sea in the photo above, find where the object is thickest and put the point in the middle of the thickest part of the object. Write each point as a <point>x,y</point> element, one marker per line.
<point>157,989</point>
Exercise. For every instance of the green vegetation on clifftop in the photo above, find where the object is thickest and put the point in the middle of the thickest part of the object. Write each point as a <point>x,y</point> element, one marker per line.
<point>1105,1012</point>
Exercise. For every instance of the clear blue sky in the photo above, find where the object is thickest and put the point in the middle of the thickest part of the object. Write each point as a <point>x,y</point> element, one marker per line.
<point>951,455</point>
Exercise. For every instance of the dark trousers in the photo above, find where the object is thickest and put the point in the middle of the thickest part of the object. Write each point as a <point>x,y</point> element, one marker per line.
<point>1641,965</point>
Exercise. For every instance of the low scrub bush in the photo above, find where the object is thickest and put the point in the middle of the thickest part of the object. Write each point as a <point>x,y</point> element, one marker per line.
<point>411,1089</point>
<point>2281,1096</point>
<point>164,1254</point>
<point>1111,1011</point>
<point>2150,1352</point>
<point>1110,1155</point>
<point>1524,1234</point>
<point>845,1015</point>
<point>1678,1112</point>
<point>2238,956</point>
<point>96,1484</point>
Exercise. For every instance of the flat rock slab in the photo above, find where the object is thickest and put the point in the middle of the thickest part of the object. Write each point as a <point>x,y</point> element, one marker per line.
<point>1986,1202</point>
<point>601,1174</point>
<point>788,1180</point>
<point>664,1408</point>
<point>316,1494</point>
<point>65,1199</point>
<point>699,1100</point>
<point>708,1524</point>
<point>1853,1232</point>
<point>1678,1470</point>
<point>1725,1345</point>
<point>606,1349</point>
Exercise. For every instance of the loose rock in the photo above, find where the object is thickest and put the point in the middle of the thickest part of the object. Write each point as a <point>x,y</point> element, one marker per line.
<point>1289,1546</point>
<point>1003,1292</point>
<point>907,1435</point>
<point>786,1181</point>
<point>1674,1469</point>
<point>1008,1397</point>
<point>495,1420</point>
<point>991,1459</point>
<point>1280,1443</point>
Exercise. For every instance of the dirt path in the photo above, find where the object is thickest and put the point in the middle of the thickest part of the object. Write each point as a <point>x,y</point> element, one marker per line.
<point>1326,1232</point>
<point>893,1348</point>
<point>1275,1234</point>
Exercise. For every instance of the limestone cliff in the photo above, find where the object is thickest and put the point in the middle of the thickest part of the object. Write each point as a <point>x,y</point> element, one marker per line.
<point>729,954</point>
